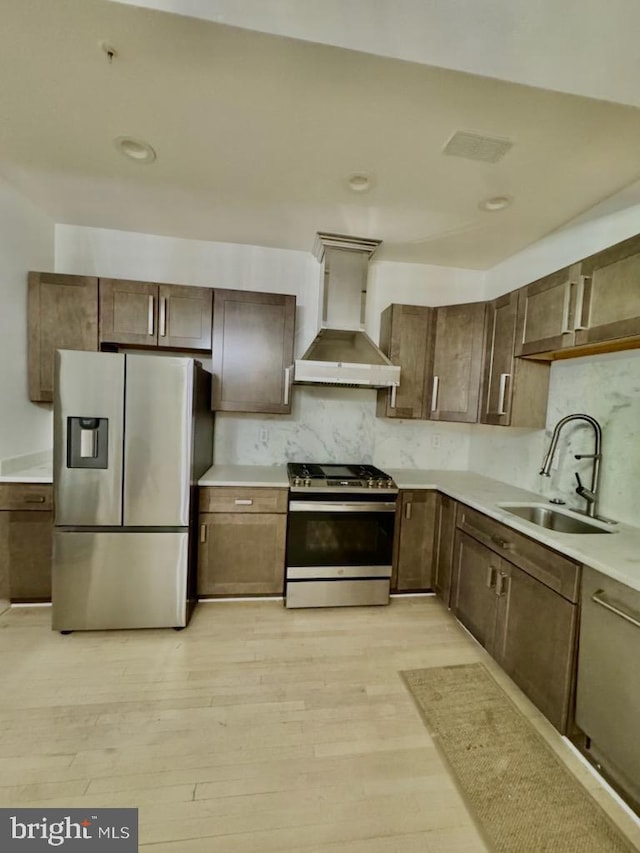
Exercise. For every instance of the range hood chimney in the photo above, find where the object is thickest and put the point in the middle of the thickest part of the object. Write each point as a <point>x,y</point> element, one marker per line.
<point>342,353</point>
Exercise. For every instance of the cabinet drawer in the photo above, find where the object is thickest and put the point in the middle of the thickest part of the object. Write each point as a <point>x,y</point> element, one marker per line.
<point>556,571</point>
<point>26,496</point>
<point>245,499</point>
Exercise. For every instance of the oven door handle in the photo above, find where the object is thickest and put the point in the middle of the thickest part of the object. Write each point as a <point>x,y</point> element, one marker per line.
<point>312,506</point>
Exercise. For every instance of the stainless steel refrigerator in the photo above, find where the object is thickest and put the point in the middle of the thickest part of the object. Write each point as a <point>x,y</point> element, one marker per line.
<point>132,436</point>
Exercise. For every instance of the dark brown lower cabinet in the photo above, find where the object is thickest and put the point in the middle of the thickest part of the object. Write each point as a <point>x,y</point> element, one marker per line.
<point>529,628</point>
<point>443,563</point>
<point>241,548</point>
<point>26,538</point>
<point>414,547</point>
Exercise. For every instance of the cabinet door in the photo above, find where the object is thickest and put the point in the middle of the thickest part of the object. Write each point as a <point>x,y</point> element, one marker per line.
<point>608,301</point>
<point>405,332</point>
<point>443,563</point>
<point>128,312</point>
<point>252,351</point>
<point>26,544</point>
<point>415,541</point>
<point>184,317</point>
<point>535,641</point>
<point>546,311</point>
<point>474,602</point>
<point>457,362</point>
<point>241,554</point>
<point>515,390</point>
<point>63,314</point>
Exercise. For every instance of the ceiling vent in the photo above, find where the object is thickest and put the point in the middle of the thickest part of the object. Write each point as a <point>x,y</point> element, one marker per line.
<point>474,146</point>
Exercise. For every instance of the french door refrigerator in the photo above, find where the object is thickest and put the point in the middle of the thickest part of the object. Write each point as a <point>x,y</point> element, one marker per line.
<point>132,436</point>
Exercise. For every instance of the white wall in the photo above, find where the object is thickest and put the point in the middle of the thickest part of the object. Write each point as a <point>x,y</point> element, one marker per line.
<point>26,243</point>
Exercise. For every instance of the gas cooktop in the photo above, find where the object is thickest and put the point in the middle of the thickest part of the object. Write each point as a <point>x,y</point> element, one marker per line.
<point>330,475</point>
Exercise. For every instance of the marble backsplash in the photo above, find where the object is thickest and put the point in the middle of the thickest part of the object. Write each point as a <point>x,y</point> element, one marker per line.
<point>338,425</point>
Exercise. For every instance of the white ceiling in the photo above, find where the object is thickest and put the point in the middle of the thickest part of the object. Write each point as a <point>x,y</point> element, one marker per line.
<point>256,132</point>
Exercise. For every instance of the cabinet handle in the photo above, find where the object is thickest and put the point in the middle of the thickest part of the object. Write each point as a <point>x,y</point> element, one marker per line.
<point>504,378</point>
<point>150,317</point>
<point>502,543</point>
<point>491,576</point>
<point>394,392</point>
<point>598,597</point>
<point>407,510</point>
<point>243,501</point>
<point>579,322</point>
<point>163,317</point>
<point>503,584</point>
<point>203,532</point>
<point>434,393</point>
<point>287,385</point>
<point>34,499</point>
<point>565,309</point>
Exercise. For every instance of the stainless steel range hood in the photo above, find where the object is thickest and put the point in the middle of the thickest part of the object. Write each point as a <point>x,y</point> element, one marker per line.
<point>342,353</point>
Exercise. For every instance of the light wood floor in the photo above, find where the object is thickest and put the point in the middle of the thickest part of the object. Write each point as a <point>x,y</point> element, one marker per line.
<point>256,730</point>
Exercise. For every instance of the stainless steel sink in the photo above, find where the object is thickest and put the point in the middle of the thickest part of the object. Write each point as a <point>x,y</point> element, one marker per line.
<point>553,519</point>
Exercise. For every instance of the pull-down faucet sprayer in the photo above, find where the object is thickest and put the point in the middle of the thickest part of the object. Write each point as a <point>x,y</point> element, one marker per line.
<point>590,495</point>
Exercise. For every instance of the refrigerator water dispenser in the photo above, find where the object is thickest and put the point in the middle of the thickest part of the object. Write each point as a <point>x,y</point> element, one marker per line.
<point>87,442</point>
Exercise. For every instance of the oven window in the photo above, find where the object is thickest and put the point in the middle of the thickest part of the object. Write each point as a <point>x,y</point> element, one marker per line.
<point>340,539</point>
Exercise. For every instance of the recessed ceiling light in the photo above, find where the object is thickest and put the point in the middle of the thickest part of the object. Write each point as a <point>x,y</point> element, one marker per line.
<point>360,182</point>
<point>496,202</point>
<point>135,149</point>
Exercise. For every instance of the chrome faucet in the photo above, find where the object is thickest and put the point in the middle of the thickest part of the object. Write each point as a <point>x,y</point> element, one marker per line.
<point>590,495</point>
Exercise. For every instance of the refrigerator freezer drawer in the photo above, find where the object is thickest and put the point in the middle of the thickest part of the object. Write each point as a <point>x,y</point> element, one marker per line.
<point>119,580</point>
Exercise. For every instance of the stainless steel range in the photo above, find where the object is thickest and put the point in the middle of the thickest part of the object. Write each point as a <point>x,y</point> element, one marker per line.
<point>340,535</point>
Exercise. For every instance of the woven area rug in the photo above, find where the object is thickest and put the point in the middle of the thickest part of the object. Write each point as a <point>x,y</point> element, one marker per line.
<point>520,794</point>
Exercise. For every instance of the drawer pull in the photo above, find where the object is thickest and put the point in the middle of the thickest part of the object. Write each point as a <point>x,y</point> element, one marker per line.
<point>243,501</point>
<point>491,577</point>
<point>502,543</point>
<point>599,598</point>
<point>407,510</point>
<point>203,532</point>
<point>34,499</point>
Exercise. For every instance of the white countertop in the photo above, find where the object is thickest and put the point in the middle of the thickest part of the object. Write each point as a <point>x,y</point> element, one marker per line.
<point>614,554</point>
<point>274,476</point>
<point>33,474</point>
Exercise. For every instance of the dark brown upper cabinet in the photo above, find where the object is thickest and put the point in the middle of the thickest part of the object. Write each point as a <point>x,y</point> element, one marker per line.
<point>458,349</point>
<point>252,351</point>
<point>62,314</point>
<point>608,298</point>
<point>515,390</point>
<point>405,332</point>
<point>546,310</point>
<point>140,313</point>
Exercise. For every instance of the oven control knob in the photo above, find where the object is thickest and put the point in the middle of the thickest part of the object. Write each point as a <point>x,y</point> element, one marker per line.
<point>296,481</point>
<point>371,482</point>
<point>307,481</point>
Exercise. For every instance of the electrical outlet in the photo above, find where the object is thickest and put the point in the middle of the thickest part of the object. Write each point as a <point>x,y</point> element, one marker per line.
<point>264,435</point>
<point>435,440</point>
